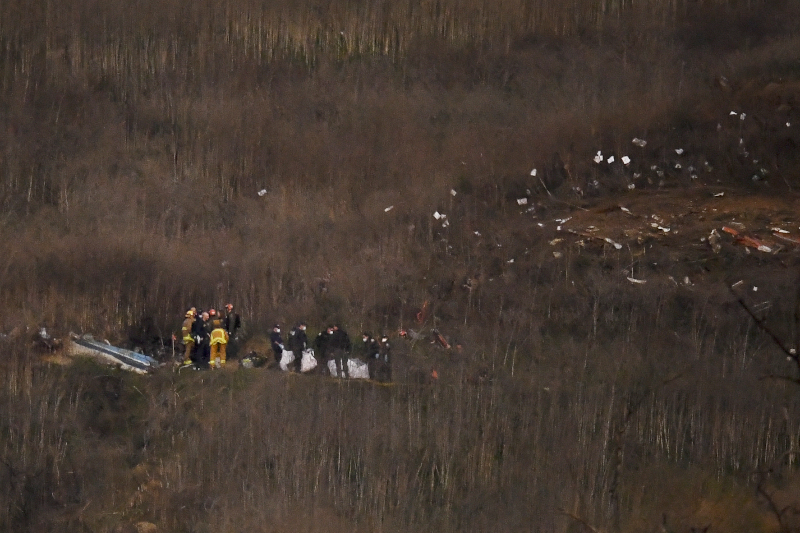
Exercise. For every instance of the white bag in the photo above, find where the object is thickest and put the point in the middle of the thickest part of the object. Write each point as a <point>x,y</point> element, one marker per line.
<point>286,359</point>
<point>309,362</point>
<point>356,369</point>
<point>332,368</point>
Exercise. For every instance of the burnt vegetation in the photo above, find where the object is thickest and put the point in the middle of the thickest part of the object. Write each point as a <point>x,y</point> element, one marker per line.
<point>288,157</point>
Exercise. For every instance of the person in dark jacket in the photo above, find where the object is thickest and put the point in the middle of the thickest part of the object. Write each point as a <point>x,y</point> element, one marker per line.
<point>204,342</point>
<point>231,323</point>
<point>298,341</point>
<point>276,341</point>
<point>197,335</point>
<point>372,353</point>
<point>340,347</point>
<point>385,357</point>
<point>322,345</point>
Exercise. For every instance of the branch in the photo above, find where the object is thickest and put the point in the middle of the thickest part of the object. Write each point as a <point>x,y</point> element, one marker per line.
<point>791,353</point>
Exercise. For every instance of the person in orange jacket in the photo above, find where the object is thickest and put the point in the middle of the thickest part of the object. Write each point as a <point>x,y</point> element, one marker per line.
<point>219,344</point>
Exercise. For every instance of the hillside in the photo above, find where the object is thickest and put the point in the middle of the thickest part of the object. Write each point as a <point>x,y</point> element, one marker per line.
<point>596,203</point>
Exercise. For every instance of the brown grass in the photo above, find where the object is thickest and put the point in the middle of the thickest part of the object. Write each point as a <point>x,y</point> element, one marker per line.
<point>135,138</point>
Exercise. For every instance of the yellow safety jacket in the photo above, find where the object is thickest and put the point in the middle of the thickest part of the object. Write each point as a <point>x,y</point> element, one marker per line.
<point>219,336</point>
<point>186,330</point>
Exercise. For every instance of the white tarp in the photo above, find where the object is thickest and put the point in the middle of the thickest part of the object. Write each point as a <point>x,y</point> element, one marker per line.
<point>356,369</point>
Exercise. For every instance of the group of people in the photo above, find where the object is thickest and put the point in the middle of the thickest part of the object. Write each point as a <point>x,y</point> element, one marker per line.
<point>333,344</point>
<point>208,336</point>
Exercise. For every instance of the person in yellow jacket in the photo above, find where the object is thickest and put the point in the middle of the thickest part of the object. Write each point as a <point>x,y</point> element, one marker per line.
<point>219,344</point>
<point>186,335</point>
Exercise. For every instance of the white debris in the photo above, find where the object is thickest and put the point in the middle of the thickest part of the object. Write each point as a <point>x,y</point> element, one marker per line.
<point>641,143</point>
<point>686,280</point>
<point>719,194</point>
<point>742,116</point>
<point>693,176</point>
<point>637,175</point>
<point>678,166</point>
<point>733,113</point>
<point>598,158</point>
<point>637,281</point>
<point>557,255</point>
<point>262,192</point>
<point>610,159</point>
<point>533,172</point>
<point>788,124</point>
<point>556,241</point>
<point>779,230</point>
<point>755,289</point>
<point>439,216</point>
<point>540,224</point>
<point>679,151</point>
<point>388,209</point>
<point>522,201</point>
<point>562,220</point>
<point>446,223</point>
<point>737,284</point>
<point>616,245</point>
<point>478,233</point>
<point>625,210</point>
<point>631,186</point>
<point>626,160</point>
<point>453,192</point>
<point>510,261</point>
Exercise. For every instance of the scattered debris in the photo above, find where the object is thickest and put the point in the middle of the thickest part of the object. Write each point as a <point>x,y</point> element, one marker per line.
<point>533,172</point>
<point>439,216</point>
<point>679,151</point>
<point>522,201</point>
<point>87,346</point>
<point>598,158</point>
<point>262,192</point>
<point>44,340</point>
<point>439,339</point>
<point>641,143</point>
<point>610,159</point>
<point>626,160</point>
<point>453,192</point>
<point>781,235</point>
<point>637,281</point>
<point>714,241</point>
<point>388,209</point>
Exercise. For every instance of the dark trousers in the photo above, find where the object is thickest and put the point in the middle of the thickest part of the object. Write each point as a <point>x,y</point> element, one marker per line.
<point>340,356</point>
